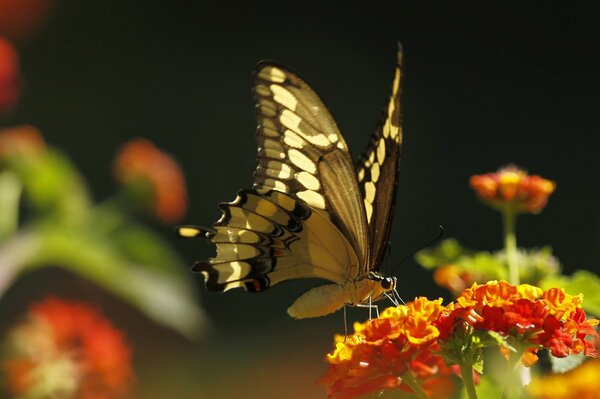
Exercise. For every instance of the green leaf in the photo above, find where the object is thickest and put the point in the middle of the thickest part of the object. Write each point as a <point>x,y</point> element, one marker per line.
<point>581,282</point>
<point>52,184</point>
<point>448,251</point>
<point>162,291</point>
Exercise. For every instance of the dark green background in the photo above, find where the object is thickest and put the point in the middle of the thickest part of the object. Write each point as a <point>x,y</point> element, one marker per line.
<point>486,83</point>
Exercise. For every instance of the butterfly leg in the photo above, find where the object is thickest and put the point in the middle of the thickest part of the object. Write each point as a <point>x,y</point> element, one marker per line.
<point>345,324</point>
<point>370,306</point>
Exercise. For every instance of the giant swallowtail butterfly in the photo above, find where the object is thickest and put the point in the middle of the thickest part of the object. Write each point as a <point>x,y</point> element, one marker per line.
<point>311,213</point>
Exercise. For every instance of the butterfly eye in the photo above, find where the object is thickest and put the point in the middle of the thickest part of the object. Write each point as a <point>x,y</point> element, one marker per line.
<point>387,283</point>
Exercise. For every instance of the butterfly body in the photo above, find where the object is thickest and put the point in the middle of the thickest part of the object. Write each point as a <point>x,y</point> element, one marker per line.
<point>311,213</point>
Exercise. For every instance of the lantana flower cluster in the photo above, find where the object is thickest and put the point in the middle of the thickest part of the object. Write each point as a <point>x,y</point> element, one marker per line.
<point>67,350</point>
<point>386,352</point>
<point>512,186</point>
<point>413,347</point>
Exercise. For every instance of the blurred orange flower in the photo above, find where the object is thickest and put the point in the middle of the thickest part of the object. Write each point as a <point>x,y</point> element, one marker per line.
<point>513,187</point>
<point>20,140</point>
<point>141,161</point>
<point>67,350</point>
<point>582,382</point>
<point>10,87</point>
<point>381,351</point>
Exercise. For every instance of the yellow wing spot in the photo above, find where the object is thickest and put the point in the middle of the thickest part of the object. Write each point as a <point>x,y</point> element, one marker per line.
<point>316,139</point>
<point>369,210</point>
<point>308,180</point>
<point>272,74</point>
<point>370,191</point>
<point>188,232</point>
<point>279,169</point>
<point>262,90</point>
<point>375,172</point>
<point>381,151</point>
<point>284,97</point>
<point>361,174</point>
<point>302,161</point>
<point>290,120</point>
<point>293,140</point>
<point>276,185</point>
<point>371,159</point>
<point>333,137</point>
<point>386,128</point>
<point>395,132</point>
<point>396,84</point>
<point>341,145</point>
<point>391,107</point>
<point>231,271</point>
<point>312,198</point>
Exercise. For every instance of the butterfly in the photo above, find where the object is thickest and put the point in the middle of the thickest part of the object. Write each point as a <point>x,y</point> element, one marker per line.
<point>311,212</point>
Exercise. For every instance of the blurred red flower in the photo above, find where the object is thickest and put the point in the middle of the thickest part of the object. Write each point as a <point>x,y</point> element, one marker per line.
<point>141,161</point>
<point>21,18</point>
<point>10,87</point>
<point>67,350</point>
<point>513,187</point>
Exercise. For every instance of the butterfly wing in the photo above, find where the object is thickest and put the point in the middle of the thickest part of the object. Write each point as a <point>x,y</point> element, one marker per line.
<point>302,153</point>
<point>265,238</point>
<point>377,171</point>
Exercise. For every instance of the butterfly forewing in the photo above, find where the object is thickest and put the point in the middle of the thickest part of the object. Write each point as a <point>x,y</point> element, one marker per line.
<point>302,153</point>
<point>377,171</point>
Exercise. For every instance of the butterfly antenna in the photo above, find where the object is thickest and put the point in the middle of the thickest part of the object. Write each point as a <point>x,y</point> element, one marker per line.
<point>439,235</point>
<point>388,255</point>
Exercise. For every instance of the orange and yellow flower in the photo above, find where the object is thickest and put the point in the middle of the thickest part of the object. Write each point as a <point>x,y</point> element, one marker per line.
<point>514,188</point>
<point>141,161</point>
<point>548,319</point>
<point>67,350</point>
<point>383,350</point>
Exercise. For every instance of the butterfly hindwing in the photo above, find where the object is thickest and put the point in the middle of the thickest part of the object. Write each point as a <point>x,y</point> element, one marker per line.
<point>302,153</point>
<point>377,171</point>
<point>265,238</point>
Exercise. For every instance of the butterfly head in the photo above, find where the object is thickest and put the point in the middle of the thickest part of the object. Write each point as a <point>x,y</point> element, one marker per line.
<point>386,283</point>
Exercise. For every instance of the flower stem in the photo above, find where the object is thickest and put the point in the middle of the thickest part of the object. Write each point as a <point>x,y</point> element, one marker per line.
<point>466,372</point>
<point>509,221</point>
<point>410,380</point>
